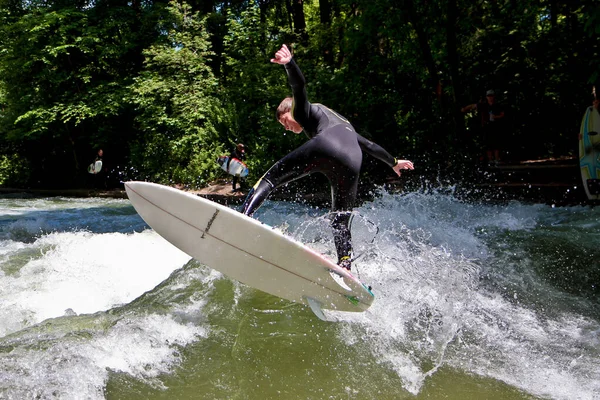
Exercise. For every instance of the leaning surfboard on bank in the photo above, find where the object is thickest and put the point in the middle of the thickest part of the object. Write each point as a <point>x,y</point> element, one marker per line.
<point>589,153</point>
<point>247,250</point>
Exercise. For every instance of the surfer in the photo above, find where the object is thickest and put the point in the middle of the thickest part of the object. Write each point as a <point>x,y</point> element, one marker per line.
<point>240,153</point>
<point>491,114</point>
<point>333,149</point>
<point>98,181</point>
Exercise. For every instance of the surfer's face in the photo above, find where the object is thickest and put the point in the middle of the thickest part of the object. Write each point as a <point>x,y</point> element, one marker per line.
<point>289,123</point>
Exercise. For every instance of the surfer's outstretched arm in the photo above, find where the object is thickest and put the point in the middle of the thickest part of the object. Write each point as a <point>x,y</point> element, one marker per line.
<point>380,153</point>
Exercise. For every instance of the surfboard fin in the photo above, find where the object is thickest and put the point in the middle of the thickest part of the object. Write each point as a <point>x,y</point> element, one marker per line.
<point>339,279</point>
<point>315,306</point>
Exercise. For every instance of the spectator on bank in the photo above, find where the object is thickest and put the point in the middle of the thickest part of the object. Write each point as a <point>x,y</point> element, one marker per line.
<point>491,115</point>
<point>97,169</point>
<point>240,153</point>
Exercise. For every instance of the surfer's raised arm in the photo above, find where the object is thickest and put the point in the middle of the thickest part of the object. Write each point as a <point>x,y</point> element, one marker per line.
<point>282,56</point>
<point>301,105</point>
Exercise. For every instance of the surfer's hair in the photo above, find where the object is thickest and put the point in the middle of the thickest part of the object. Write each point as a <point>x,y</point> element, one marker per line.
<point>284,106</point>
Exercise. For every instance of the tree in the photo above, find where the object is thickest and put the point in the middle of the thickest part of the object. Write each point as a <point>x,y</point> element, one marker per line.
<point>65,68</point>
<point>255,86</point>
<point>175,97</point>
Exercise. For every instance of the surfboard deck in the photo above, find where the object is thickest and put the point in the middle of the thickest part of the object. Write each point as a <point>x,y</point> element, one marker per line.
<point>236,167</point>
<point>247,250</point>
<point>589,153</point>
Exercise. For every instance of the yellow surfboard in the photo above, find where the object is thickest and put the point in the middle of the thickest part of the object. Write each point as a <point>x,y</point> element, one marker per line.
<point>589,153</point>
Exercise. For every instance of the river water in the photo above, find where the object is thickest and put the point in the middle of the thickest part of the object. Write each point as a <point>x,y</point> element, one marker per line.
<point>473,300</point>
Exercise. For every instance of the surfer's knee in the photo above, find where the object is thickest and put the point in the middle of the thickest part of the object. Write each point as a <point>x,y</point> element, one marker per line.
<point>257,195</point>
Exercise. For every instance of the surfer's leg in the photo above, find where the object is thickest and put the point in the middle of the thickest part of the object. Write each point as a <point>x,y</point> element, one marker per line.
<point>257,195</point>
<point>342,238</point>
<point>295,165</point>
<point>342,169</point>
<point>343,195</point>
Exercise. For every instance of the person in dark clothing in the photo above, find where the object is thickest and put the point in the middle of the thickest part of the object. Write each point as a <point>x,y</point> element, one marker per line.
<point>491,114</point>
<point>240,153</point>
<point>333,149</point>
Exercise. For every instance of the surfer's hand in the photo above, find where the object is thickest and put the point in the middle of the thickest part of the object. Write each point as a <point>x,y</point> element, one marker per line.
<point>282,56</point>
<point>402,164</point>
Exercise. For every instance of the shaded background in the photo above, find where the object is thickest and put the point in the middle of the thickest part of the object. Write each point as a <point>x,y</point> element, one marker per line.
<point>166,87</point>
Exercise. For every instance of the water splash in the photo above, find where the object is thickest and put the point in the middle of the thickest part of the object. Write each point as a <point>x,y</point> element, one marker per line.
<point>457,286</point>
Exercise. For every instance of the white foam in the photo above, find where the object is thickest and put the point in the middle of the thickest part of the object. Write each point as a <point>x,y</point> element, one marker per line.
<point>86,273</point>
<point>74,367</point>
<point>425,268</point>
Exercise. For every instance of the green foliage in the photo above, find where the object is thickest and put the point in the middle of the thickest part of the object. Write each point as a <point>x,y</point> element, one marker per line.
<point>65,70</point>
<point>14,170</point>
<point>164,88</point>
<point>255,87</point>
<point>178,111</point>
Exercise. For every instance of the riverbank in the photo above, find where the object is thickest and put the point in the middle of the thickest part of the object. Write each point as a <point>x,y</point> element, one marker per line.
<point>554,181</point>
<point>219,192</point>
<point>28,192</point>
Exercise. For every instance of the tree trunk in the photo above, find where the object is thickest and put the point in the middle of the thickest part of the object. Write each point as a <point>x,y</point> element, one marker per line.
<point>423,41</point>
<point>325,11</point>
<point>452,50</point>
<point>325,17</point>
<point>299,20</point>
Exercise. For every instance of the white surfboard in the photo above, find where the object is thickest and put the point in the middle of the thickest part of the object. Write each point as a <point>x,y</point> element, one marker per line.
<point>95,167</point>
<point>247,250</point>
<point>234,167</point>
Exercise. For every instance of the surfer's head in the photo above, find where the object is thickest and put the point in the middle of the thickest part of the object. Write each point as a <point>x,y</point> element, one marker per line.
<point>284,116</point>
<point>490,95</point>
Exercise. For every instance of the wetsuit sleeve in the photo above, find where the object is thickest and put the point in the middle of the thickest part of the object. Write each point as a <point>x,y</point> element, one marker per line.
<point>301,106</point>
<point>376,151</point>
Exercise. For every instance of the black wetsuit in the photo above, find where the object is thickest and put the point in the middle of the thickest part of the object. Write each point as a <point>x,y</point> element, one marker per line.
<point>334,149</point>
